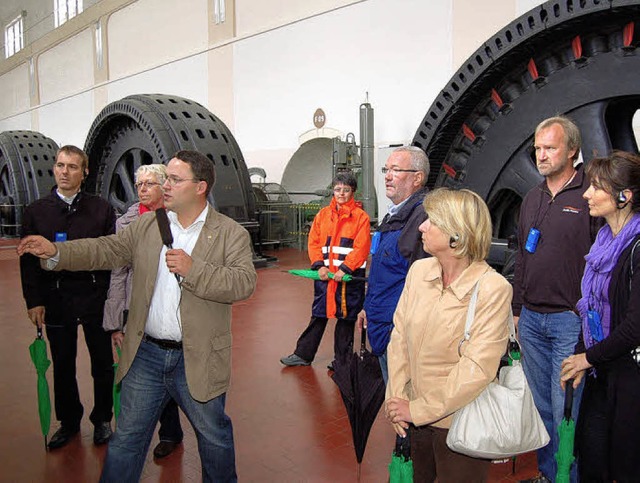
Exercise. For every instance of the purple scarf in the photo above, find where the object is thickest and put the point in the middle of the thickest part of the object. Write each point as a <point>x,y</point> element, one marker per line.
<point>601,259</point>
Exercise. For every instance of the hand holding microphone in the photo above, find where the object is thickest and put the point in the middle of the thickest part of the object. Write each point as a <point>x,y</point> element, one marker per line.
<point>178,262</point>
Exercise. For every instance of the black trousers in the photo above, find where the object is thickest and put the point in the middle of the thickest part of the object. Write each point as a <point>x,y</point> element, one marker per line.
<point>309,340</point>
<point>433,459</point>
<point>63,340</point>
<point>170,428</point>
<point>608,428</point>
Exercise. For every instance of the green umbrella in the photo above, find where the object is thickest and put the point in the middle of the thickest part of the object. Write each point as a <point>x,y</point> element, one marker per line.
<point>314,275</point>
<point>38,352</point>
<point>566,434</point>
<point>401,466</point>
<point>116,388</point>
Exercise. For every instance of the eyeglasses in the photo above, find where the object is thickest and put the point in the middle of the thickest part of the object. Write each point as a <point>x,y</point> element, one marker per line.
<point>174,180</point>
<point>146,184</point>
<point>342,190</point>
<point>396,171</point>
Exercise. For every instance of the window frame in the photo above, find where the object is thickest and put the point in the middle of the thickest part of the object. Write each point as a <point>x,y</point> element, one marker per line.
<point>62,11</point>
<point>14,36</point>
<point>219,11</point>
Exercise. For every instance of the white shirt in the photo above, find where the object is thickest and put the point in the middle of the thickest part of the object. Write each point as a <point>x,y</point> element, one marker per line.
<point>67,199</point>
<point>163,321</point>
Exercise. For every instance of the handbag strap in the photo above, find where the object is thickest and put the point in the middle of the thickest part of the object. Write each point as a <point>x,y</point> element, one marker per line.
<point>471,311</point>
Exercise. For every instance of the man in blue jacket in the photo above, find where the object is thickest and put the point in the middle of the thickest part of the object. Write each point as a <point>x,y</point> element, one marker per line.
<point>395,246</point>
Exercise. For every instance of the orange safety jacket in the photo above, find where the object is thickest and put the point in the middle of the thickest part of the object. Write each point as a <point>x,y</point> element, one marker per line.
<point>339,239</point>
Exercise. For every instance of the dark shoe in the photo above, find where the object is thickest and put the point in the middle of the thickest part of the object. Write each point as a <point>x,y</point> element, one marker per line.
<point>102,433</point>
<point>62,437</point>
<point>294,360</point>
<point>539,478</point>
<point>164,448</point>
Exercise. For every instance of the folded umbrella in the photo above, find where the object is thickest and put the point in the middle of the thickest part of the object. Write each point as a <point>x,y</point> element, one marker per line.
<point>566,435</point>
<point>38,352</point>
<point>116,388</point>
<point>362,388</point>
<point>314,275</point>
<point>401,466</point>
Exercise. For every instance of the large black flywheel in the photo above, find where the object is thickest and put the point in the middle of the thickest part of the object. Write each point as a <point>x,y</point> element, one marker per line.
<point>151,128</point>
<point>26,174</point>
<point>578,58</point>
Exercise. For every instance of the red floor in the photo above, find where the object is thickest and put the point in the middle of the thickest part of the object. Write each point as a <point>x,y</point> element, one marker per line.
<point>289,423</point>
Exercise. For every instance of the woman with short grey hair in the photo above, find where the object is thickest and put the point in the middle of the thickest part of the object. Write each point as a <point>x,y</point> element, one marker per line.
<point>149,179</point>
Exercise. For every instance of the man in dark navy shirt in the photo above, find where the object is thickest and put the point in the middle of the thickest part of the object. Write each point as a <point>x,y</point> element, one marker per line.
<point>555,232</point>
<point>61,301</point>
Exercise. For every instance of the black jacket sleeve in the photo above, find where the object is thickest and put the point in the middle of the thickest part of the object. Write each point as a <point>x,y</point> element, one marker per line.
<point>32,277</point>
<point>517,302</point>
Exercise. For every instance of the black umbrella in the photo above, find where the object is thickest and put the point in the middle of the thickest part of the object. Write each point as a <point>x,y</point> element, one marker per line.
<point>359,379</point>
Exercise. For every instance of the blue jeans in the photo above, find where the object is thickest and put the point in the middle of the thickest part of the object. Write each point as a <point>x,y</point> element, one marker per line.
<point>156,375</point>
<point>546,340</point>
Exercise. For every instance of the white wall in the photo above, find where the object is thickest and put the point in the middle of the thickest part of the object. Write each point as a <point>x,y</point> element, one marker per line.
<point>67,68</point>
<point>67,121</point>
<point>330,61</point>
<point>14,86</point>
<point>18,122</point>
<point>257,15</point>
<point>523,6</point>
<point>220,77</point>
<point>473,25</point>
<point>148,33</point>
<point>185,78</point>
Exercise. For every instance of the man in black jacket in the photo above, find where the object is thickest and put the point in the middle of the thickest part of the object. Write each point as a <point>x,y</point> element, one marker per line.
<point>555,232</point>
<point>63,300</point>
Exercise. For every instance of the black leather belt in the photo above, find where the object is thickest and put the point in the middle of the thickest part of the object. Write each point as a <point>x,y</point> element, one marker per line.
<point>164,343</point>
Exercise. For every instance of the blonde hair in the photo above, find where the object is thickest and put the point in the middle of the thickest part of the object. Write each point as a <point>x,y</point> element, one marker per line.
<point>464,216</point>
<point>158,170</point>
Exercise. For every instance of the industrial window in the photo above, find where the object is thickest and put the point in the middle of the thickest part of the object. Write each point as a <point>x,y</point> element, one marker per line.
<point>64,10</point>
<point>219,11</point>
<point>14,36</point>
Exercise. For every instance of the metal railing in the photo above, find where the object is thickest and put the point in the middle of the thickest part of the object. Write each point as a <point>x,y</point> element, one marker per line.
<point>285,224</point>
<point>10,220</point>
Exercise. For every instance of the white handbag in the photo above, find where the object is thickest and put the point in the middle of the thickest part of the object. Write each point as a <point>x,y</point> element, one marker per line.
<point>503,420</point>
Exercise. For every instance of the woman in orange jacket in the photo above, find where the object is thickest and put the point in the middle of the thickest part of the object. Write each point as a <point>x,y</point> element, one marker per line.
<point>339,243</point>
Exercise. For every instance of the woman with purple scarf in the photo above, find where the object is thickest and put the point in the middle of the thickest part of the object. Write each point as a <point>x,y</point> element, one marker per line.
<point>608,428</point>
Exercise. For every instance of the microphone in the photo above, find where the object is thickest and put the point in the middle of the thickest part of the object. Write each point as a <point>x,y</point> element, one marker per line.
<point>165,231</point>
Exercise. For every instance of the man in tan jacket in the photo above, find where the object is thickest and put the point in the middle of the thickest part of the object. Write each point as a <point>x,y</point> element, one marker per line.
<point>178,341</point>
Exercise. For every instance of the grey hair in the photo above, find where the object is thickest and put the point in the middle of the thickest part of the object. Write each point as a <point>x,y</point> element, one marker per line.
<point>158,170</point>
<point>419,160</point>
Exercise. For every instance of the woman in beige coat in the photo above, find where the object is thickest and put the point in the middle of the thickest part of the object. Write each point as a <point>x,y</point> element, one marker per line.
<point>432,373</point>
